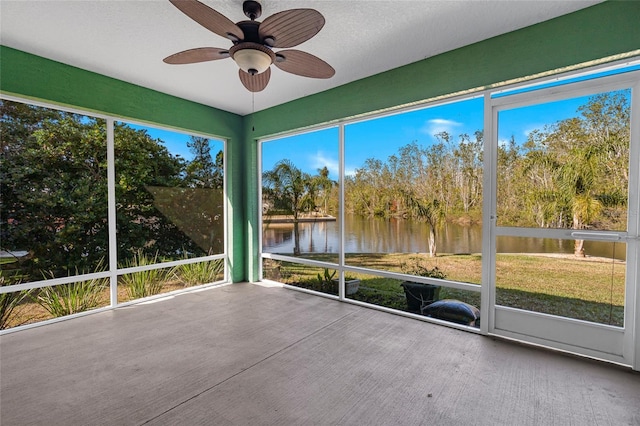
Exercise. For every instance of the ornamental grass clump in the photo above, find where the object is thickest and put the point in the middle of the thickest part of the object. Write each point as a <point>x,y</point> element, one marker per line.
<point>197,273</point>
<point>67,299</point>
<point>9,301</point>
<point>144,283</point>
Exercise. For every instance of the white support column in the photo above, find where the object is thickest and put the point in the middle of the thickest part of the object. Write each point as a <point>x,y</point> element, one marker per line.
<point>632,299</point>
<point>225,212</point>
<point>341,287</point>
<point>111,208</point>
<point>487,295</point>
<point>260,211</point>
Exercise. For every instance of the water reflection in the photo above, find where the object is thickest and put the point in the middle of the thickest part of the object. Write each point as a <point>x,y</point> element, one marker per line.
<point>405,236</point>
<point>315,237</point>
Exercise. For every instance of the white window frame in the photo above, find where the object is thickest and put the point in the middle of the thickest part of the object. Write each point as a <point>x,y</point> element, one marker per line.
<point>601,341</point>
<point>113,271</point>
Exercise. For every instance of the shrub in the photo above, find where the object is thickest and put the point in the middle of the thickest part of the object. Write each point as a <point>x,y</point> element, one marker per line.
<point>415,266</point>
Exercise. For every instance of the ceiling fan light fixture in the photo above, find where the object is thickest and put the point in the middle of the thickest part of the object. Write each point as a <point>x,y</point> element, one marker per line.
<point>252,58</point>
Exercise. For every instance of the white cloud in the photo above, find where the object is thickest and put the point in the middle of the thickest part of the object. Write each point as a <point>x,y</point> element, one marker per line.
<point>503,142</point>
<point>439,125</point>
<point>320,160</point>
<point>527,131</point>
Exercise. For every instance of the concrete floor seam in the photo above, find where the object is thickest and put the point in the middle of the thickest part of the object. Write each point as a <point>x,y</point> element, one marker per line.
<point>246,369</point>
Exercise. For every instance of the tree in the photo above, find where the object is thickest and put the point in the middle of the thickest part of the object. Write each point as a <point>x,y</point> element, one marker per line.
<point>576,169</point>
<point>370,189</point>
<point>508,165</point>
<point>324,185</point>
<point>204,180</point>
<point>292,191</point>
<point>577,183</point>
<point>467,155</point>
<point>53,183</point>
<point>606,121</point>
<point>54,195</point>
<point>144,164</point>
<point>430,211</point>
<point>541,199</point>
<point>203,171</point>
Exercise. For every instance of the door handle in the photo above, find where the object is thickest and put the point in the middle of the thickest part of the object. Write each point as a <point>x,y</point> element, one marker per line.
<point>598,236</point>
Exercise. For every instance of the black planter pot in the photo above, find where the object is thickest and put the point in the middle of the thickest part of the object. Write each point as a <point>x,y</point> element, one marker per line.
<point>418,294</point>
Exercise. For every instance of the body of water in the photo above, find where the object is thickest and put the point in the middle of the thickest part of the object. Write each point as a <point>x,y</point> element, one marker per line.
<point>406,236</point>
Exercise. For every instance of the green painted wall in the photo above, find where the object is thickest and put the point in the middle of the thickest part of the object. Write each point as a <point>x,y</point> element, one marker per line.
<point>597,32</point>
<point>37,78</point>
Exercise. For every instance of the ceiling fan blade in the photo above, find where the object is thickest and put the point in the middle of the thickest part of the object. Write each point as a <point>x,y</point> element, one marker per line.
<point>290,27</point>
<point>303,63</point>
<point>257,82</point>
<point>200,54</point>
<point>210,19</point>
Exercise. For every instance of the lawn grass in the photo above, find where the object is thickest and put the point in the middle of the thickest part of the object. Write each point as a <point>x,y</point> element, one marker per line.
<point>590,289</point>
<point>587,289</point>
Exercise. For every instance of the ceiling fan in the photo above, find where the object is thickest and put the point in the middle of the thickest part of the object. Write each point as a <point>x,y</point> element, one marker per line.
<point>253,42</point>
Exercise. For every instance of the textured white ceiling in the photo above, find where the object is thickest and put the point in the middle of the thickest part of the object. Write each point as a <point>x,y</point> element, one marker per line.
<point>127,40</point>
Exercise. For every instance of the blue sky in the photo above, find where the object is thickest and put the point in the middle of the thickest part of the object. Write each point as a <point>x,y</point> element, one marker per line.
<point>176,142</point>
<point>522,121</point>
<point>377,138</point>
<point>382,137</point>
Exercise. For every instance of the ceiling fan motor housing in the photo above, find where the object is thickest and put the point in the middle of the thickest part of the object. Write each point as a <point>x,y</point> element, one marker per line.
<point>252,9</point>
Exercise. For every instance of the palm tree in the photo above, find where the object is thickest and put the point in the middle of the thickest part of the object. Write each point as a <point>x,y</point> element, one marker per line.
<point>324,185</point>
<point>577,180</point>
<point>431,211</point>
<point>292,190</point>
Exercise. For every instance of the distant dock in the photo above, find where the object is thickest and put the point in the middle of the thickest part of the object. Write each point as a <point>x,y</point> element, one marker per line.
<point>301,219</point>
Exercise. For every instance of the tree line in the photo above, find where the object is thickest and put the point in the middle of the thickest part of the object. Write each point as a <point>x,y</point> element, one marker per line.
<point>53,187</point>
<point>569,174</point>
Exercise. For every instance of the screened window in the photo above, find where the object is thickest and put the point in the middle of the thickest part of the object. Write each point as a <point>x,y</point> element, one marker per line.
<point>57,255</point>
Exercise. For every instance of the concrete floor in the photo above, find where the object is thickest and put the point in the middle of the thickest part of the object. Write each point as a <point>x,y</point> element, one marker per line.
<point>249,355</point>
